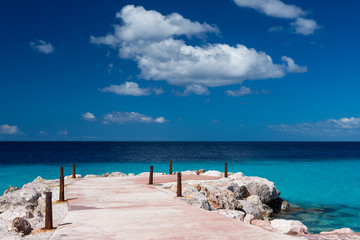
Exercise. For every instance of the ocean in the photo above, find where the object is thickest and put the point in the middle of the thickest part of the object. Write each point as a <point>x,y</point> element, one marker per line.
<point>320,179</point>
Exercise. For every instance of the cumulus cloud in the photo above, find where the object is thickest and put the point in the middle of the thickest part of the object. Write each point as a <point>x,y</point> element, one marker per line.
<point>196,89</point>
<point>279,9</point>
<point>292,67</point>
<point>128,117</point>
<point>273,8</point>
<point>330,126</point>
<point>9,130</point>
<point>151,39</point>
<point>88,116</point>
<point>305,26</point>
<point>244,91</point>
<point>42,46</point>
<point>132,89</point>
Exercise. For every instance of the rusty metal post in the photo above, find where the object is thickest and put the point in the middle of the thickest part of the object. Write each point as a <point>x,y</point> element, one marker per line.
<point>73,171</point>
<point>151,175</point>
<point>62,188</point>
<point>48,211</point>
<point>226,170</point>
<point>170,167</point>
<point>179,191</point>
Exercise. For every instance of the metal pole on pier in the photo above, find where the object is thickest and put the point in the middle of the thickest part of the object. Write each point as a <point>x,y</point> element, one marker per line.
<point>48,211</point>
<point>226,170</point>
<point>62,188</point>
<point>151,177</point>
<point>170,167</point>
<point>179,191</point>
<point>73,171</point>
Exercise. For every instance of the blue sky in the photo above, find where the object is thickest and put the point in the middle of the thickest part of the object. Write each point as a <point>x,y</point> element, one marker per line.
<point>234,70</point>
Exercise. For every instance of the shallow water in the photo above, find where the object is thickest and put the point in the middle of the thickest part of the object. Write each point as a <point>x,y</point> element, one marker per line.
<point>321,178</point>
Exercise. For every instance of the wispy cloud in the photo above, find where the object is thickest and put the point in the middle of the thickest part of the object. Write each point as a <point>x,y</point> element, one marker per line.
<point>42,46</point>
<point>9,130</point>
<point>342,126</point>
<point>244,91</point>
<point>150,39</point>
<point>279,9</point>
<point>305,26</point>
<point>128,117</point>
<point>292,67</point>
<point>132,89</point>
<point>63,133</point>
<point>88,116</point>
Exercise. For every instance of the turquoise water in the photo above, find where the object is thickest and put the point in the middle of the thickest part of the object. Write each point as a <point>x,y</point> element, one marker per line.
<point>329,191</point>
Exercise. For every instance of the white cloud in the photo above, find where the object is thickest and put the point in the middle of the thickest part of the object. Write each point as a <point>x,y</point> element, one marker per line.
<point>141,24</point>
<point>305,26</point>
<point>196,89</point>
<point>9,130</point>
<point>273,8</point>
<point>292,67</point>
<point>63,133</point>
<point>42,46</point>
<point>328,127</point>
<point>88,116</point>
<point>128,117</point>
<point>244,91</point>
<point>276,29</point>
<point>148,38</point>
<point>132,89</point>
<point>278,9</point>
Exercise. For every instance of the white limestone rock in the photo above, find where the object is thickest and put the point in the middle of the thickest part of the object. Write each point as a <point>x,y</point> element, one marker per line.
<point>290,227</point>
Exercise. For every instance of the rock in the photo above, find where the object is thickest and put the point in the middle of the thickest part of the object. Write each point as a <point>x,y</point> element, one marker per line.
<point>11,189</point>
<point>70,176</point>
<point>262,187</point>
<point>285,206</point>
<point>118,174</point>
<point>275,204</point>
<point>189,172</point>
<point>131,174</point>
<point>265,224</point>
<point>248,218</point>
<point>265,210</point>
<point>341,231</point>
<point>21,225</point>
<point>29,195</point>
<point>199,200</point>
<point>105,174</point>
<point>213,174</point>
<point>250,208</point>
<point>201,171</point>
<point>39,179</point>
<point>289,227</point>
<point>254,199</point>
<point>223,199</point>
<point>91,176</point>
<point>240,191</point>
<point>237,176</point>
<point>235,214</point>
<point>29,214</point>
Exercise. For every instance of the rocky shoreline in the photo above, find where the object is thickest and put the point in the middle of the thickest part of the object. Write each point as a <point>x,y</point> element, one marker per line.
<point>252,200</point>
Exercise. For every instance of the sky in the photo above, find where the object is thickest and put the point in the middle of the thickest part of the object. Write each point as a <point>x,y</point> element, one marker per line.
<point>229,70</point>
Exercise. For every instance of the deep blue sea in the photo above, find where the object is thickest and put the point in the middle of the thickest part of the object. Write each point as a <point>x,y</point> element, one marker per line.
<point>321,178</point>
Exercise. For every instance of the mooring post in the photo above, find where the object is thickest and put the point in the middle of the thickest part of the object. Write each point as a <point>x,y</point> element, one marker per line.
<point>62,188</point>
<point>170,167</point>
<point>226,170</point>
<point>151,177</point>
<point>48,211</point>
<point>73,171</point>
<point>179,191</point>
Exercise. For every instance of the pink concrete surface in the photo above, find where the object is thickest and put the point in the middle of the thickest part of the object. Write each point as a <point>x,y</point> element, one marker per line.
<point>128,208</point>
